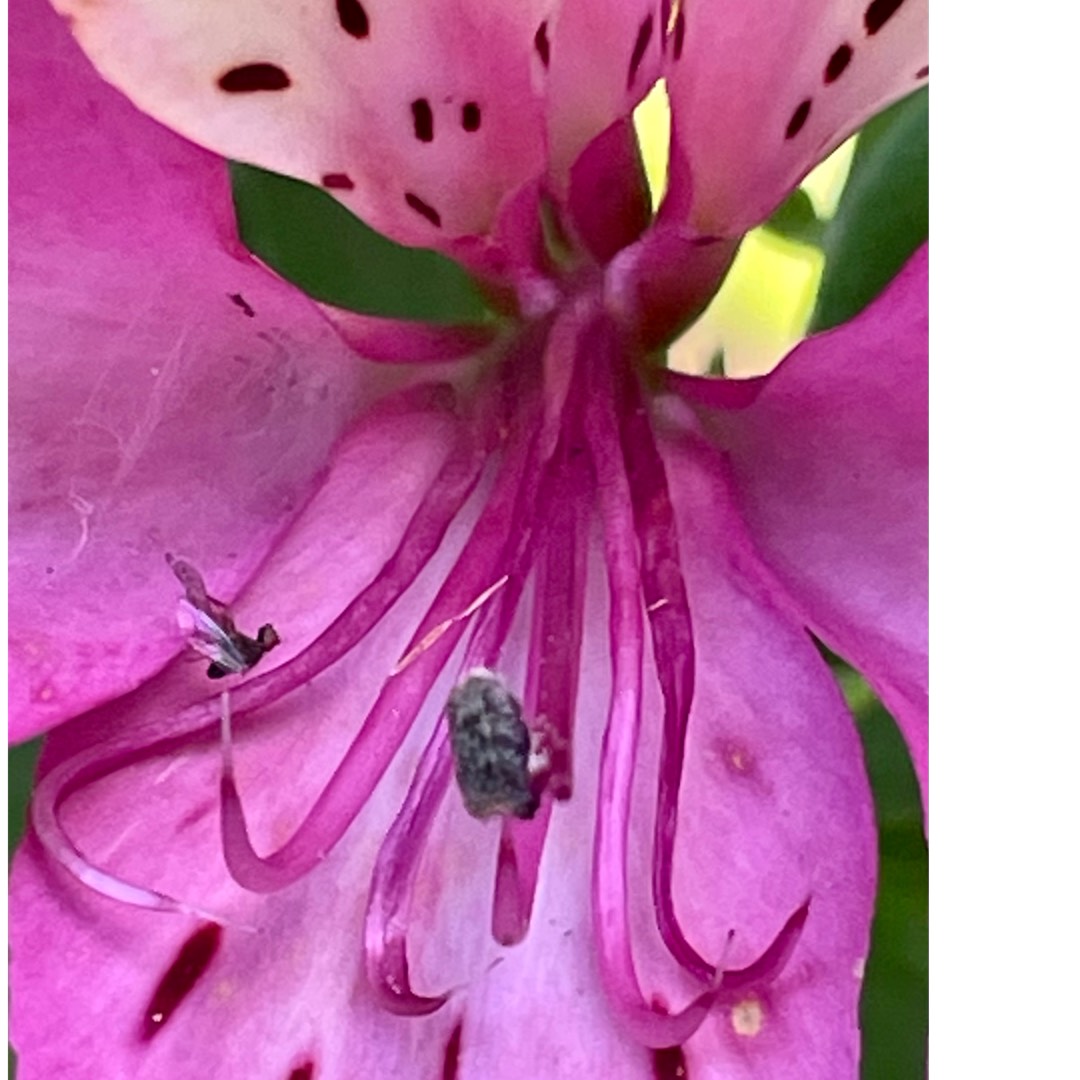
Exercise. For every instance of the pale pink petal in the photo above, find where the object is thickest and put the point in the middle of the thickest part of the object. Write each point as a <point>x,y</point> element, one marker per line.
<point>829,457</point>
<point>419,116</point>
<point>167,394</point>
<point>601,58</point>
<point>761,92</point>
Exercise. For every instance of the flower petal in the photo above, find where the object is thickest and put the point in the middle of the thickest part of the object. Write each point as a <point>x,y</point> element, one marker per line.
<point>293,991</point>
<point>774,807</point>
<point>761,92</point>
<point>602,58</point>
<point>397,341</point>
<point>419,116</point>
<point>830,466</point>
<point>166,392</point>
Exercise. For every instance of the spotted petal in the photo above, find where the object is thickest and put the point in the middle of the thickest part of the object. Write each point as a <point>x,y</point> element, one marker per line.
<point>602,56</point>
<point>420,116</point>
<point>761,92</point>
<point>166,392</point>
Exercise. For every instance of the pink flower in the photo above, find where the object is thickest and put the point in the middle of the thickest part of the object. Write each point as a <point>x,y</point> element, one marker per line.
<point>638,555</point>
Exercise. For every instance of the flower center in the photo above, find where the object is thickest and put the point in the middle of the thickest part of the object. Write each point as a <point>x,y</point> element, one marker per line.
<point>559,438</point>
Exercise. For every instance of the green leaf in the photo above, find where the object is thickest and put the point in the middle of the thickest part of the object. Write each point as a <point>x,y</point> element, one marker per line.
<point>22,763</point>
<point>883,215</point>
<point>795,219</point>
<point>316,243</point>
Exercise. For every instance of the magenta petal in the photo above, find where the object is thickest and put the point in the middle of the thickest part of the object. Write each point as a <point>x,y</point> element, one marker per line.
<point>395,341</point>
<point>830,466</point>
<point>659,284</point>
<point>774,808</point>
<point>609,195</point>
<point>166,392</point>
<point>85,969</point>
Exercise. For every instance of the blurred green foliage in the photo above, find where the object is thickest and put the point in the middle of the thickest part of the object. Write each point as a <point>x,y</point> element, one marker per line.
<point>884,211</point>
<point>882,217</point>
<point>310,238</point>
<point>796,219</point>
<point>22,761</point>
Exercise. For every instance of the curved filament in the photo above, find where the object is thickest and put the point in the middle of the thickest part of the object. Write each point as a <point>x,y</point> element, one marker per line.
<point>386,922</point>
<point>611,924</point>
<point>401,853</point>
<point>551,687</point>
<point>478,573</point>
<point>49,831</point>
<point>198,723</point>
<point>664,592</point>
<point>771,962</point>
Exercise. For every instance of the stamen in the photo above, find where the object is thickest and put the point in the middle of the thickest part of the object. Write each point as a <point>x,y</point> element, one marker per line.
<point>402,695</point>
<point>611,925</point>
<point>385,959</point>
<point>53,790</point>
<point>551,689</point>
<point>521,846</point>
<point>772,961</point>
<point>668,608</point>
<point>200,722</point>
<point>401,853</point>
<point>49,832</point>
<point>666,602</point>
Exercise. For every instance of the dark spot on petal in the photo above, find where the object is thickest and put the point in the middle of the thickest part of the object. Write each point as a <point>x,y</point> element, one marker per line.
<point>451,1055</point>
<point>185,971</point>
<point>337,181</point>
<point>470,116</point>
<point>879,13</point>
<point>798,118</point>
<point>641,43</point>
<point>49,570</point>
<point>923,72</point>
<point>423,209</point>
<point>253,77</point>
<point>838,63</point>
<point>242,304</point>
<point>196,814</point>
<point>423,120</point>
<point>540,43</point>
<point>669,1064</point>
<point>680,34</point>
<point>303,1072</point>
<point>353,18</point>
<point>665,23</point>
